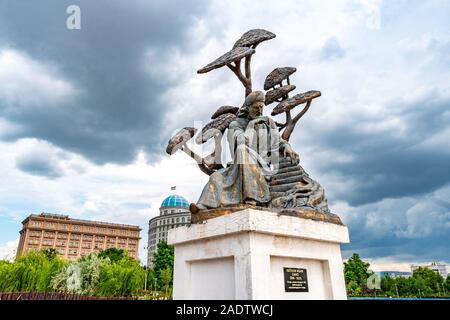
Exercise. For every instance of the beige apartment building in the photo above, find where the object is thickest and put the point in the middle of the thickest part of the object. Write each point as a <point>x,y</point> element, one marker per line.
<point>74,238</point>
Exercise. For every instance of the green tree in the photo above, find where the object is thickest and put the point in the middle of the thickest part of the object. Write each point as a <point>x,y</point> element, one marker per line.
<point>114,254</point>
<point>447,285</point>
<point>6,268</point>
<point>428,281</point>
<point>353,288</point>
<point>356,272</point>
<point>50,253</point>
<point>407,287</point>
<point>166,281</point>
<point>85,273</point>
<point>58,282</point>
<point>91,267</point>
<point>31,272</point>
<point>90,275</point>
<point>123,277</point>
<point>151,279</point>
<point>388,286</point>
<point>162,260</point>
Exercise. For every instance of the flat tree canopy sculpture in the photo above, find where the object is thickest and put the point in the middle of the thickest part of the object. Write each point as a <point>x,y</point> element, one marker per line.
<point>243,48</point>
<point>265,171</point>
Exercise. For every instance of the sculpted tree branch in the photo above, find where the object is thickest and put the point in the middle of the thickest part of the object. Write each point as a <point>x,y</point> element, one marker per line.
<point>280,93</point>
<point>291,123</point>
<point>215,129</point>
<point>287,105</point>
<point>302,113</point>
<point>179,142</point>
<point>243,48</point>
<point>237,71</point>
<point>248,75</point>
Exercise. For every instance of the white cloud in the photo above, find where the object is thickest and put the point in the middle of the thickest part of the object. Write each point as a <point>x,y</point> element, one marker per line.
<point>28,82</point>
<point>405,218</point>
<point>371,12</point>
<point>8,250</point>
<point>389,264</point>
<point>424,219</point>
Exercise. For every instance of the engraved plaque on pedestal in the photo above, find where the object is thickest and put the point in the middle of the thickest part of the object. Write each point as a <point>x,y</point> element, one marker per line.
<point>295,280</point>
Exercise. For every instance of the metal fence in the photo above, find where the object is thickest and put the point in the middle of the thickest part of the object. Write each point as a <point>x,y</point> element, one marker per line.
<point>53,296</point>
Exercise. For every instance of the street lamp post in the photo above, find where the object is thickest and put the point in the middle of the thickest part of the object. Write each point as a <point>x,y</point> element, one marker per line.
<point>146,272</point>
<point>145,281</point>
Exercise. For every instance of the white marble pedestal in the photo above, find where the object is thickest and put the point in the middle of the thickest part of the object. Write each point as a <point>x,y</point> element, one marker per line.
<point>243,255</point>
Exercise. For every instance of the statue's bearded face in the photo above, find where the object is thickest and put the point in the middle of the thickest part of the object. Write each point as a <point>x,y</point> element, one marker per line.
<point>256,110</point>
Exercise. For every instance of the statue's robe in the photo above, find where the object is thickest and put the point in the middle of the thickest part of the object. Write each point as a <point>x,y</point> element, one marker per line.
<point>254,147</point>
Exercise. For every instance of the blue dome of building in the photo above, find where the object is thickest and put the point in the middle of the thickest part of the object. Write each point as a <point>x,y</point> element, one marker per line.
<point>175,201</point>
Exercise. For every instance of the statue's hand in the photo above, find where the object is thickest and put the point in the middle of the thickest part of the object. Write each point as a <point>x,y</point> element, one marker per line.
<point>289,152</point>
<point>258,120</point>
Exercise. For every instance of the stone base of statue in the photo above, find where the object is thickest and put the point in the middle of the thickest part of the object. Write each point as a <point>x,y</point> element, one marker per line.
<point>259,255</point>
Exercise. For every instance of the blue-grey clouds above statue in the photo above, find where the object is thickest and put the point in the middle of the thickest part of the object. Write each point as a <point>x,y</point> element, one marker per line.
<point>115,110</point>
<point>377,141</point>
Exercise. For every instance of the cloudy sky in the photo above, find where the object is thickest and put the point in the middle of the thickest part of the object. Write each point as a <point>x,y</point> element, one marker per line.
<point>85,114</point>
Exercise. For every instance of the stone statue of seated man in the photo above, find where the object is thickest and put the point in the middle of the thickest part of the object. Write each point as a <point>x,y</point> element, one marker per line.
<point>255,146</point>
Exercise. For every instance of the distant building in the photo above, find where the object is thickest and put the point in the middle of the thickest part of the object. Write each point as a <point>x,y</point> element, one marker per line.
<point>74,238</point>
<point>174,212</point>
<point>441,268</point>
<point>394,274</point>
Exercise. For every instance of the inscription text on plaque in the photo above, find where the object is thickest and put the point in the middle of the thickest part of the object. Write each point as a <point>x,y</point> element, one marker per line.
<point>295,280</point>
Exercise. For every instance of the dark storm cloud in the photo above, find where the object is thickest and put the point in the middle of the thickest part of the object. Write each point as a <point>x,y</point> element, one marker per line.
<point>391,237</point>
<point>392,180</point>
<point>387,165</point>
<point>422,250</point>
<point>117,111</point>
<point>39,166</point>
<point>409,228</point>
